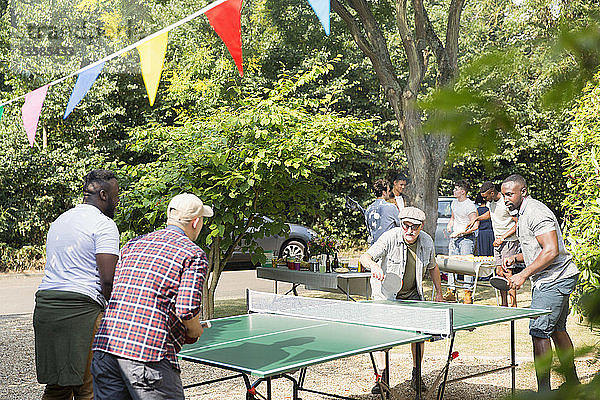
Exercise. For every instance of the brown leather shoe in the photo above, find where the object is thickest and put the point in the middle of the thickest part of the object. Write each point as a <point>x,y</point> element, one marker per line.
<point>468,299</point>
<point>449,296</point>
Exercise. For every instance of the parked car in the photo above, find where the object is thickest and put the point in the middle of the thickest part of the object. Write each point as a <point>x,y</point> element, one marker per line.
<point>293,245</point>
<point>442,240</point>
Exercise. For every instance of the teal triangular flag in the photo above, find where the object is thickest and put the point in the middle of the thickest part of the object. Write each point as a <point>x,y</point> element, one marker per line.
<point>322,9</point>
<point>1,112</point>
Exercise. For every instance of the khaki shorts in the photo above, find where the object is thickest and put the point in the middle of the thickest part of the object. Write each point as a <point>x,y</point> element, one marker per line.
<point>506,249</point>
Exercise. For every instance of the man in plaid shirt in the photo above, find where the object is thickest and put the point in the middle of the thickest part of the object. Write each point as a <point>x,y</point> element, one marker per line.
<point>155,306</point>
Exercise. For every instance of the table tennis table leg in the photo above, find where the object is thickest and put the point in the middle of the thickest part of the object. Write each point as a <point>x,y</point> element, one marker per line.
<point>418,360</point>
<point>513,360</point>
<point>442,387</point>
<point>384,385</point>
<point>269,388</point>
<point>293,289</point>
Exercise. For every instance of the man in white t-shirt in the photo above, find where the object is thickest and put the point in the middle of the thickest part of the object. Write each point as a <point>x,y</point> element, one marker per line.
<point>506,242</point>
<point>399,184</point>
<point>462,238</point>
<point>82,250</point>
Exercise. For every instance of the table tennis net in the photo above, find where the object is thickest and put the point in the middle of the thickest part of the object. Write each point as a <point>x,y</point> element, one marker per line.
<point>434,321</point>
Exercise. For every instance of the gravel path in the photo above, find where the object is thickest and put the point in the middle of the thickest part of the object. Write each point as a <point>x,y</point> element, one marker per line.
<point>351,376</point>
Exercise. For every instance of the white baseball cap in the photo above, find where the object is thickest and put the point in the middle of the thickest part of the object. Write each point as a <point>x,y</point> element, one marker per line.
<point>185,207</point>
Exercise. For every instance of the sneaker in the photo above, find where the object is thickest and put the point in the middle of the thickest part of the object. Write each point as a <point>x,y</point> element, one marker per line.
<point>468,299</point>
<point>449,296</point>
<point>377,388</point>
<point>413,381</point>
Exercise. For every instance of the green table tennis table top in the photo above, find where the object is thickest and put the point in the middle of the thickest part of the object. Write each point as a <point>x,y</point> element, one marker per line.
<point>469,316</point>
<point>265,345</point>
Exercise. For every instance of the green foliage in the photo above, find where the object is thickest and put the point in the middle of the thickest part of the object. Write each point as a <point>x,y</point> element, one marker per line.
<point>582,203</point>
<point>261,157</point>
<point>499,111</point>
<point>21,259</point>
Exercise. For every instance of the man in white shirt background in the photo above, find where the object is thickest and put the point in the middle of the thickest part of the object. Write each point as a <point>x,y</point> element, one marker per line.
<point>399,184</point>
<point>462,238</point>
<point>506,242</point>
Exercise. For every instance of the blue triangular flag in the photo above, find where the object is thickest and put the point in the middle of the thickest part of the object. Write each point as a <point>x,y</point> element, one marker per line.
<point>85,80</point>
<point>322,9</point>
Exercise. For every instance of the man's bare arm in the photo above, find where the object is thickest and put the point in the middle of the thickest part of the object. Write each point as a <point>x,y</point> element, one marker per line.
<point>549,243</point>
<point>106,264</point>
<point>434,273</point>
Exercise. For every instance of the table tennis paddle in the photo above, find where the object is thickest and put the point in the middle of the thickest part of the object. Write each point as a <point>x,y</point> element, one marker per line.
<point>500,283</point>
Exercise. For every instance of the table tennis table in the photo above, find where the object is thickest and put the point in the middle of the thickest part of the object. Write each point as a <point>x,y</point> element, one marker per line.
<point>284,334</point>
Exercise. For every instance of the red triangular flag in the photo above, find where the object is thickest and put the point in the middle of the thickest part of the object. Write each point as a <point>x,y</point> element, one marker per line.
<point>225,20</point>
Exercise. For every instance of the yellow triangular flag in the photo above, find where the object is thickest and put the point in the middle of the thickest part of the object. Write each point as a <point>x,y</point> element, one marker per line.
<point>152,58</point>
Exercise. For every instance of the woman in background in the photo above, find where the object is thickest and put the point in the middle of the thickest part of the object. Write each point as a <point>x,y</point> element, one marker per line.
<point>485,236</point>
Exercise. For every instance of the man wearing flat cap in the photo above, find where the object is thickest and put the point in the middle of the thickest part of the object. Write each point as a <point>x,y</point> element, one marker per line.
<point>155,307</point>
<point>404,254</point>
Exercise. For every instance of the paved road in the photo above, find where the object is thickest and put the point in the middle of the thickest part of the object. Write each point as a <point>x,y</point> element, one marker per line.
<point>17,290</point>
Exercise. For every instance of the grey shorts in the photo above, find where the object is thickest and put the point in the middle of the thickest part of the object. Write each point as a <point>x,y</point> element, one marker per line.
<point>554,297</point>
<point>117,378</point>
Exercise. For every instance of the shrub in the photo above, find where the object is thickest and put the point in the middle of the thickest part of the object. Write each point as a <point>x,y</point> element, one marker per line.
<point>582,204</point>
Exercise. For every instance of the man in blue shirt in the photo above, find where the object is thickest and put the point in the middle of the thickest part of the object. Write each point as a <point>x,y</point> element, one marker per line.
<point>381,215</point>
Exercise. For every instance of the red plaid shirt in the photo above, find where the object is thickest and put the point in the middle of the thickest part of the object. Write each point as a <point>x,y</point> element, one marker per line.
<point>158,281</point>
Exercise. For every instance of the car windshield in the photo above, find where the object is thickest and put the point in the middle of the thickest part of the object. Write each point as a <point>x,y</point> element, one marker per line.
<point>444,210</point>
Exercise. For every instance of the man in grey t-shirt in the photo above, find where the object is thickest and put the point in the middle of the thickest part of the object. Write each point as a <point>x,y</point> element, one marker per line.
<point>553,276</point>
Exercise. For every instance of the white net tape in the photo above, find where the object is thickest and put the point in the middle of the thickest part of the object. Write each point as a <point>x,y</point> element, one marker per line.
<point>434,321</point>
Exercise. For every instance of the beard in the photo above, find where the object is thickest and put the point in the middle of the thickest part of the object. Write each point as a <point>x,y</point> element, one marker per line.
<point>110,210</point>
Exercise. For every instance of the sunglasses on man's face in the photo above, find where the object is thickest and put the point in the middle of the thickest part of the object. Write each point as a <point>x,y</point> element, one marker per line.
<point>407,226</point>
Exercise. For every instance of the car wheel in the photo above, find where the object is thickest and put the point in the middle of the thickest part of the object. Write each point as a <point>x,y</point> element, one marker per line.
<point>293,248</point>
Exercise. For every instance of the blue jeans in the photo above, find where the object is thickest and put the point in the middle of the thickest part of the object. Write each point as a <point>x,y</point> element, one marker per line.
<point>461,246</point>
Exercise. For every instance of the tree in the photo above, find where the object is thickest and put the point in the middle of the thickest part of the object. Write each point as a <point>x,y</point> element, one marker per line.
<point>260,157</point>
<point>426,153</point>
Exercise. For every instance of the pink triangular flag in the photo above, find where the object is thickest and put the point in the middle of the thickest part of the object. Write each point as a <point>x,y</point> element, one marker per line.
<point>31,111</point>
<point>225,20</point>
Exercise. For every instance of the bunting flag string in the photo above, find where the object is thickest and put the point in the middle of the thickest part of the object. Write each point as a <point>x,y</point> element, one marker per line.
<point>152,58</point>
<point>85,80</point>
<point>223,15</point>
<point>322,8</point>
<point>226,21</point>
<point>31,111</point>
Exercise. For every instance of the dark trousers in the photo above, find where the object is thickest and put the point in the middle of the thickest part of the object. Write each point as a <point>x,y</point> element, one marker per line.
<point>117,378</point>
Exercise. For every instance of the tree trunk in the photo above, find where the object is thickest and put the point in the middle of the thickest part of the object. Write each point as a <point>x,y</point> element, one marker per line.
<point>212,278</point>
<point>426,153</point>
